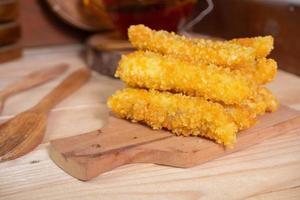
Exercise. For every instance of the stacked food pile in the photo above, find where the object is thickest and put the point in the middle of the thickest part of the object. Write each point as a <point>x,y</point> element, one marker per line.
<point>195,87</point>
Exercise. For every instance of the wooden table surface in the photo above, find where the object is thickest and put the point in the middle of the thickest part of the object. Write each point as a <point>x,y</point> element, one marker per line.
<point>270,170</point>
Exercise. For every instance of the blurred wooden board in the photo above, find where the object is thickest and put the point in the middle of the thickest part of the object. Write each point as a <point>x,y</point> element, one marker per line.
<point>103,52</point>
<point>45,25</point>
<point>10,52</point>
<point>122,142</point>
<point>9,10</point>
<point>9,33</point>
<point>236,18</point>
<point>73,12</point>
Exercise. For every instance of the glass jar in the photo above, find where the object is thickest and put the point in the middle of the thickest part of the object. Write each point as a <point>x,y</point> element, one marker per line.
<point>157,14</point>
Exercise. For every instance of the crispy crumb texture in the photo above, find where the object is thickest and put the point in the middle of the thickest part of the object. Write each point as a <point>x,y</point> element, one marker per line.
<point>263,71</point>
<point>206,51</point>
<point>195,87</point>
<point>183,115</point>
<point>262,45</point>
<point>166,73</point>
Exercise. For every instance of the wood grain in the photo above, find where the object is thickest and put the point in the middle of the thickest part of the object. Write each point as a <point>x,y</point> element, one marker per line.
<point>72,83</point>
<point>121,142</point>
<point>31,80</point>
<point>25,131</point>
<point>269,170</point>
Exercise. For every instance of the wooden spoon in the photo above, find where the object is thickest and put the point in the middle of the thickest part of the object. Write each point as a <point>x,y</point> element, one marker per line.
<point>33,79</point>
<point>26,130</point>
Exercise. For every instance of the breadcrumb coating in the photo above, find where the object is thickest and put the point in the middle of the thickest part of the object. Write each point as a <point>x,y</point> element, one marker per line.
<point>264,102</point>
<point>195,87</point>
<point>207,51</point>
<point>262,45</point>
<point>141,105</point>
<point>264,71</point>
<point>182,115</point>
<point>272,103</point>
<point>167,73</point>
<point>245,114</point>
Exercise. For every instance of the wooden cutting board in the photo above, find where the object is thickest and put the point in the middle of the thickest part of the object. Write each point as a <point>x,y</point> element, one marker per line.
<point>122,142</point>
<point>104,51</point>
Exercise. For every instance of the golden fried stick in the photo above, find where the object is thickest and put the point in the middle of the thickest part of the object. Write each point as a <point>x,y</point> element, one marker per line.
<point>272,103</point>
<point>262,45</point>
<point>265,101</point>
<point>218,53</point>
<point>183,115</point>
<point>264,71</point>
<point>167,73</point>
<point>244,115</point>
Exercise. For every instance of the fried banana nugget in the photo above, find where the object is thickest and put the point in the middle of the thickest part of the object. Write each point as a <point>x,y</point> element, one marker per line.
<point>262,45</point>
<point>264,71</point>
<point>218,53</point>
<point>182,115</point>
<point>167,73</point>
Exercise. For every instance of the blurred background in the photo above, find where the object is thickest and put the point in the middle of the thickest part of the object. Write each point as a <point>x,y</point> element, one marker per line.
<point>35,23</point>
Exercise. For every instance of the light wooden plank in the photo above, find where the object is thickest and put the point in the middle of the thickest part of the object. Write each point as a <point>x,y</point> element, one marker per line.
<point>254,171</point>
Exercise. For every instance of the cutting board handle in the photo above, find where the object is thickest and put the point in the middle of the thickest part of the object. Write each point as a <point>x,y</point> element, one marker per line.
<point>87,167</point>
<point>88,155</point>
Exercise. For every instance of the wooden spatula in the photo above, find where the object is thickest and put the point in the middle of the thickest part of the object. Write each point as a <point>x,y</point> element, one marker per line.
<point>33,79</point>
<point>25,131</point>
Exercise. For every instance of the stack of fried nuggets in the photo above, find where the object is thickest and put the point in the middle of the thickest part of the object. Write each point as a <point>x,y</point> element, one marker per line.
<point>195,87</point>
